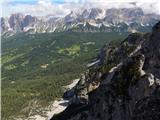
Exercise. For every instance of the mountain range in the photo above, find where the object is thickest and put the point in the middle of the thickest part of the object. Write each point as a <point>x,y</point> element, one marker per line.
<point>84,20</point>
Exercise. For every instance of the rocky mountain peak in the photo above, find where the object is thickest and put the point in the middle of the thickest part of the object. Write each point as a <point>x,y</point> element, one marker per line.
<point>15,22</point>
<point>123,83</point>
<point>28,19</point>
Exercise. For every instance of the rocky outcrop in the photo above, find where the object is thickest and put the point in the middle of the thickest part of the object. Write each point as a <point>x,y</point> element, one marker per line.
<point>124,85</point>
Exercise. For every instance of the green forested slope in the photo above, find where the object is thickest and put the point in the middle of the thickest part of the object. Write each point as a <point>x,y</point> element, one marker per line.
<point>36,66</point>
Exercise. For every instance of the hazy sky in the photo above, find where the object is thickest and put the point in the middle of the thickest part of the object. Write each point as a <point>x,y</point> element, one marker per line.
<point>63,7</point>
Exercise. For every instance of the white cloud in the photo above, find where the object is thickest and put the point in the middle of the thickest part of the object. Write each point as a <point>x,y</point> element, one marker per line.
<point>149,6</point>
<point>45,7</point>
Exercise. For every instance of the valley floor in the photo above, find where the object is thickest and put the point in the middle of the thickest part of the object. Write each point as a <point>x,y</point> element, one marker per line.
<point>55,108</point>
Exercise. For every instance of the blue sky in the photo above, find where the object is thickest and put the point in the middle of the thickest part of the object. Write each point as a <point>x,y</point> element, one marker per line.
<point>33,1</point>
<point>63,7</point>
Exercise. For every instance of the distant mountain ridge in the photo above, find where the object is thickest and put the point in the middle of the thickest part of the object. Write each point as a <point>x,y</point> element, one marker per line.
<point>87,20</point>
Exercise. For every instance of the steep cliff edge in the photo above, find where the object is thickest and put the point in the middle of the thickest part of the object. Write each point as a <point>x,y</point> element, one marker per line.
<point>123,83</point>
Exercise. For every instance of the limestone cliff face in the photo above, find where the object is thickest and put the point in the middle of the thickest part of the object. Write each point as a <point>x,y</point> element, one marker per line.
<point>122,84</point>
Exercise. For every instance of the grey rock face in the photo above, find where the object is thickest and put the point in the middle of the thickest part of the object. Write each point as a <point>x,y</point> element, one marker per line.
<point>126,86</point>
<point>4,27</point>
<point>16,22</point>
